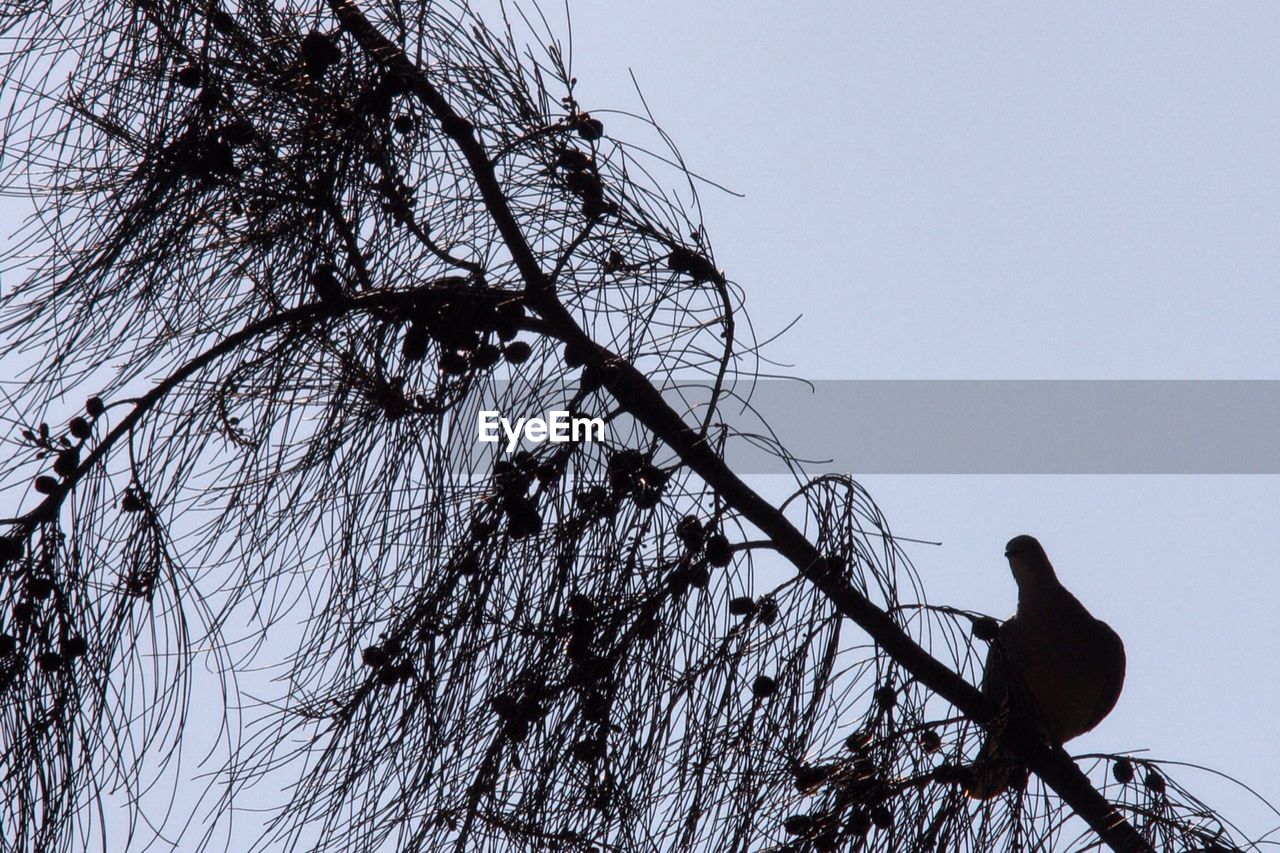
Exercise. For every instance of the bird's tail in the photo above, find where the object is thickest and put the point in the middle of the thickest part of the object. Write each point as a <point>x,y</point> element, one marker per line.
<point>992,773</point>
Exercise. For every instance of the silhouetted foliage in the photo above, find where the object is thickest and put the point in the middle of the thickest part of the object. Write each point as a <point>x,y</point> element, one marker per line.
<point>288,253</point>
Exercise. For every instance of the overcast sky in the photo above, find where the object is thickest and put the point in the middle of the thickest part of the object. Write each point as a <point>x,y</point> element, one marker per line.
<point>1016,191</point>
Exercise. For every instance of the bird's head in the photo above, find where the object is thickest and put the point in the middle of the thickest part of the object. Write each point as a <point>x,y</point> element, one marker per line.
<point>1028,561</point>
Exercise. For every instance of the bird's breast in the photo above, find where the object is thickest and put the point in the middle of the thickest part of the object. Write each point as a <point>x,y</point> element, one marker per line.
<point>1063,670</point>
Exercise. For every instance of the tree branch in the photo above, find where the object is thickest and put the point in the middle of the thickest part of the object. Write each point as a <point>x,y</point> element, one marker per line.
<point>309,312</point>
<point>644,401</point>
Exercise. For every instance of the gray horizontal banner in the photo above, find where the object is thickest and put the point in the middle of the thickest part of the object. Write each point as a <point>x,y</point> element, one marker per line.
<point>1011,426</point>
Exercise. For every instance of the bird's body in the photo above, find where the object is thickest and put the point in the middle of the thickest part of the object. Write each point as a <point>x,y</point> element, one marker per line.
<point>1053,665</point>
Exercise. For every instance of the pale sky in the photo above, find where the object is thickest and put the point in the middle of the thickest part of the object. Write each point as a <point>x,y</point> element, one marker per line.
<point>1028,191</point>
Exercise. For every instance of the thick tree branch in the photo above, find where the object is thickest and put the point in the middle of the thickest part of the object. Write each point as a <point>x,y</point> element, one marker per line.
<point>645,403</point>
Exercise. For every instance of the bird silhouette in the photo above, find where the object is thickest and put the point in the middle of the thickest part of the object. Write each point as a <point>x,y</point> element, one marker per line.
<point>1052,666</point>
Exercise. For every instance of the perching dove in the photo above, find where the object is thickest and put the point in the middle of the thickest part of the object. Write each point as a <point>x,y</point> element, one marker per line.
<point>1052,665</point>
